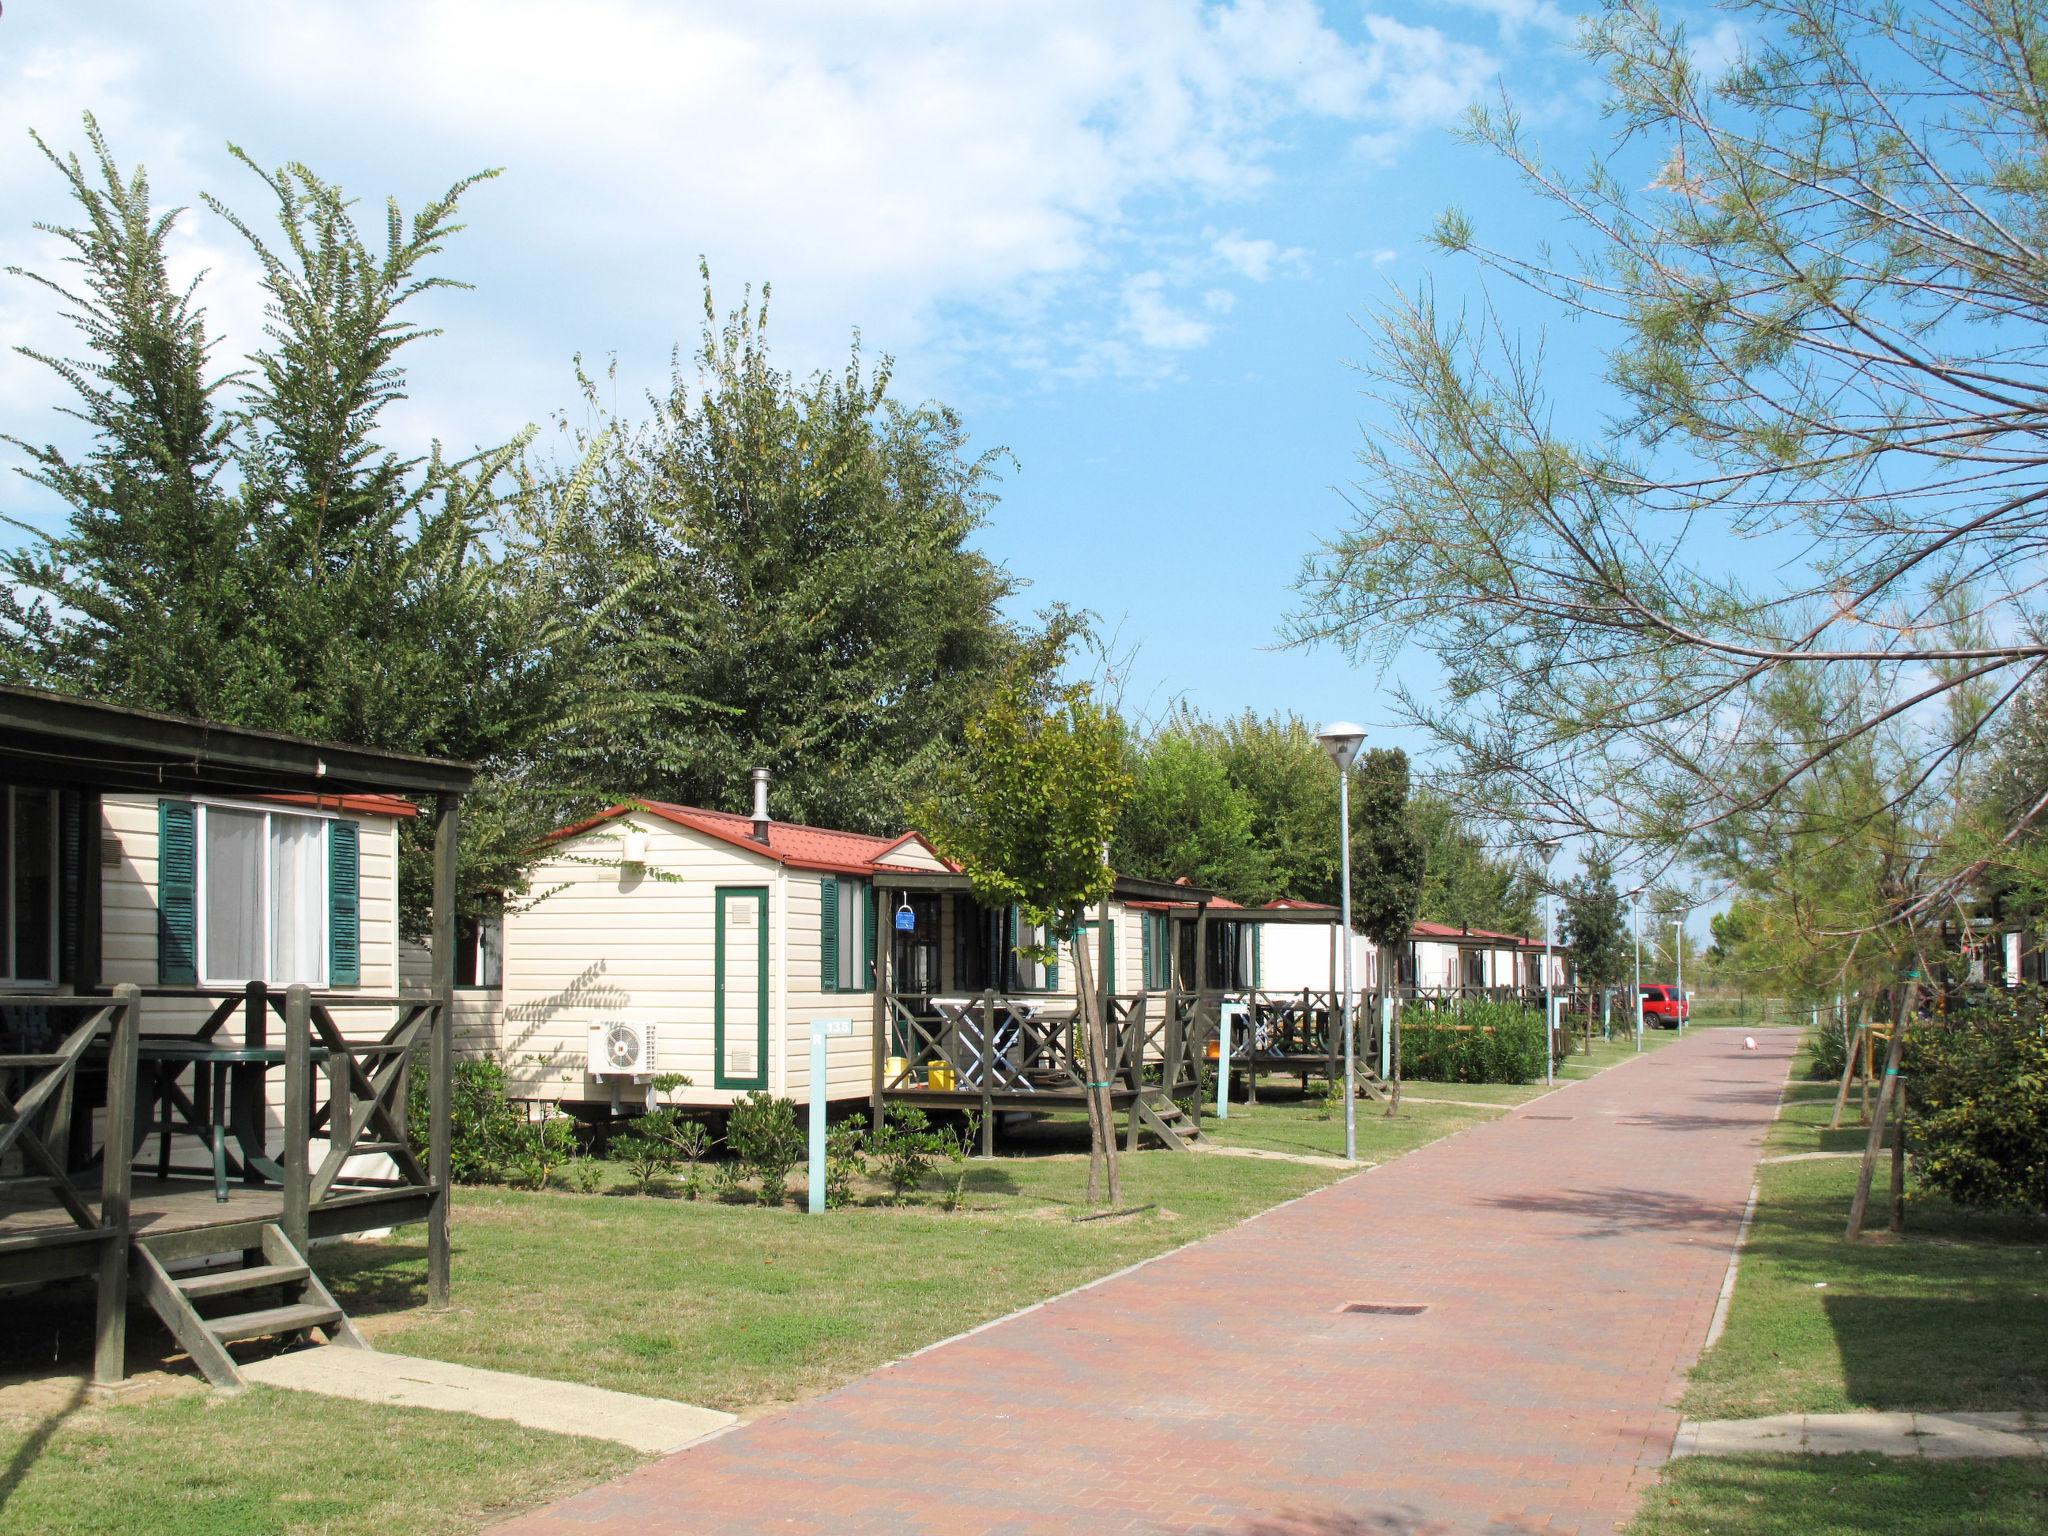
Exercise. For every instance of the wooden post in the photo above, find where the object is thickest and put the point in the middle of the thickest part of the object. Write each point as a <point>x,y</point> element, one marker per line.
<point>298,1114</point>
<point>885,943</point>
<point>1899,1162</point>
<point>110,1341</point>
<point>1885,1093</point>
<point>255,1085</point>
<point>441,1052</point>
<point>988,1071</point>
<point>1850,1047</point>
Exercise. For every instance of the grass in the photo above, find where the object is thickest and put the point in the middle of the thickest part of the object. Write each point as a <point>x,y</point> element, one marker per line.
<point>1845,1496</point>
<point>278,1462</point>
<point>1952,1315</point>
<point>1948,1316</point>
<point>739,1308</point>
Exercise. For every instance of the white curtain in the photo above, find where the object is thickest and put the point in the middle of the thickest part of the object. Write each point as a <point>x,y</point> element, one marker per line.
<point>234,895</point>
<point>298,900</point>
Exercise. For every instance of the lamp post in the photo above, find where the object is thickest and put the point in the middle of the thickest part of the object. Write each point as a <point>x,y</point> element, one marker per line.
<point>1635,938</point>
<point>1678,945</point>
<point>1547,848</point>
<point>1342,741</point>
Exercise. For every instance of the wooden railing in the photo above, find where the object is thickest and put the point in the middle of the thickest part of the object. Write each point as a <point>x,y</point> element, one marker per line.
<point>1030,1042</point>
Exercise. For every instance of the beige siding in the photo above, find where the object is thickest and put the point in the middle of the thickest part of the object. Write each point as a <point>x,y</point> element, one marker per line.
<point>913,855</point>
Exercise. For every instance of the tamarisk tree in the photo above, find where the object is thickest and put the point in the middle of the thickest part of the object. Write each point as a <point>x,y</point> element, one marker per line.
<point>1816,280</point>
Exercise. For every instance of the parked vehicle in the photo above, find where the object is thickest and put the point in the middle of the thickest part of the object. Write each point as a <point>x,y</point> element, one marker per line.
<point>1664,1007</point>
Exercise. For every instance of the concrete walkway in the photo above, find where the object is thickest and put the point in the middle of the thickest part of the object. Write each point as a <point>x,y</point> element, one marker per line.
<point>650,1424</point>
<point>1869,1434</point>
<point>1567,1255</point>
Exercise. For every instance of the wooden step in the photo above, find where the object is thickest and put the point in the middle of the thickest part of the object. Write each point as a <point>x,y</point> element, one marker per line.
<point>232,1282</point>
<point>292,1319</point>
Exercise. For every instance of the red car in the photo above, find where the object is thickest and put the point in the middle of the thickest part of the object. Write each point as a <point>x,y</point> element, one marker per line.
<point>1664,1007</point>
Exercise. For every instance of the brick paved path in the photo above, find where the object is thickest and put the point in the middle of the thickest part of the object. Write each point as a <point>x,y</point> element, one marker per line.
<point>1569,1254</point>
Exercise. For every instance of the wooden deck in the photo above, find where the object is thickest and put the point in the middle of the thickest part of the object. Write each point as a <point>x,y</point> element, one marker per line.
<point>154,1206</point>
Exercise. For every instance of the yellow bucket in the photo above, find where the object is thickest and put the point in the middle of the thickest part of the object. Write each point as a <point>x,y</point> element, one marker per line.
<point>939,1077</point>
<point>894,1069</point>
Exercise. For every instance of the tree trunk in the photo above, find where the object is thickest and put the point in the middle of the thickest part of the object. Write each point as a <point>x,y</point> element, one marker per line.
<point>1101,1122</point>
<point>1885,1094</point>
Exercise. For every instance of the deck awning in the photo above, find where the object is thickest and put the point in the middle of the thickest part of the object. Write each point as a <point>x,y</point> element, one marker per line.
<point>53,738</point>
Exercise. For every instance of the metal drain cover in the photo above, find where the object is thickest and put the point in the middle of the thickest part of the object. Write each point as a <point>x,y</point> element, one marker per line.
<point>1387,1308</point>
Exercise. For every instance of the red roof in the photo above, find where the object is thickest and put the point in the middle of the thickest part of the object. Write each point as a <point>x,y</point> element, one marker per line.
<point>1423,930</point>
<point>799,847</point>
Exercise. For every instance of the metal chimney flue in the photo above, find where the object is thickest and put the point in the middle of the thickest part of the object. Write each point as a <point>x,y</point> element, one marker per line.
<point>761,805</point>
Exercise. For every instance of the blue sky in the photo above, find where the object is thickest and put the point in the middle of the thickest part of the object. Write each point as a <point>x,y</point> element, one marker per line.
<point>1128,242</point>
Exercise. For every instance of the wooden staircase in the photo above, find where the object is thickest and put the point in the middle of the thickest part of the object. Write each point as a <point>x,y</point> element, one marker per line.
<point>1158,1113</point>
<point>211,1309</point>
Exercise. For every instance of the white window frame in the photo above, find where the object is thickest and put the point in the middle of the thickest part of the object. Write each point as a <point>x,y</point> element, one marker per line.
<point>200,904</point>
<point>9,960</point>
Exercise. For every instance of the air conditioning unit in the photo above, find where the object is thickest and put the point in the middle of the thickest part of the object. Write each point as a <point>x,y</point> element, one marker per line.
<point>621,1048</point>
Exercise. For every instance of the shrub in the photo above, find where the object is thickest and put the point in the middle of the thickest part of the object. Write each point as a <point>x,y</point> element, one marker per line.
<point>905,1147</point>
<point>484,1125</point>
<point>767,1140</point>
<point>586,1175</point>
<point>540,1150</point>
<point>1498,1042</point>
<point>648,1162</point>
<point>846,1159</point>
<point>959,1148</point>
<point>1978,1110</point>
<point>1827,1048</point>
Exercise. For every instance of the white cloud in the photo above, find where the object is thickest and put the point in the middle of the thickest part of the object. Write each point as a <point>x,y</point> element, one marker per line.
<point>1257,259</point>
<point>961,181</point>
<point>1155,322</point>
<point>1219,301</point>
<point>1381,258</point>
<point>1517,16</point>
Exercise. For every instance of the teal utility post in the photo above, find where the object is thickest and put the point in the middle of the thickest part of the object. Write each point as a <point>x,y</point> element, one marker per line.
<point>1227,1014</point>
<point>821,1031</point>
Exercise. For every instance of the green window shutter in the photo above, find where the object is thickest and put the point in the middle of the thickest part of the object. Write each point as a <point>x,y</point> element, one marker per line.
<point>344,904</point>
<point>177,893</point>
<point>1052,966</point>
<point>1258,937</point>
<point>1145,933</point>
<point>70,882</point>
<point>867,935</point>
<point>828,934</point>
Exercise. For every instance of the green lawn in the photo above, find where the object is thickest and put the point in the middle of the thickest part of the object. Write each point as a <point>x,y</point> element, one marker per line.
<point>271,1463</point>
<point>735,1307</point>
<point>1950,1316</point>
<point>1845,1496</point>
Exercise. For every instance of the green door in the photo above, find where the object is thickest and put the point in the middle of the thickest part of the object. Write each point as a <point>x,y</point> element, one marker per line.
<point>739,999</point>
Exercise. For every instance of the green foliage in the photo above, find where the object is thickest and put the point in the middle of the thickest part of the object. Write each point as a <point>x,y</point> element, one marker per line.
<point>586,1175</point>
<point>959,1149</point>
<point>1464,883</point>
<point>846,1160</point>
<point>485,1127</point>
<point>1827,1048</point>
<point>1186,819</point>
<point>803,592</point>
<point>1387,857</point>
<point>1593,929</point>
<point>767,1141</point>
<point>1330,1104</point>
<point>1978,1086</point>
<point>660,1141</point>
<point>540,1151</point>
<point>648,1161</point>
<point>1476,1042</point>
<point>904,1148</point>
<point>1031,803</point>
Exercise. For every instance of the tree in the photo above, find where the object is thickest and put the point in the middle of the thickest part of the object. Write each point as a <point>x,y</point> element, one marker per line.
<point>273,563</point>
<point>1464,882</point>
<point>808,598</point>
<point>1599,944</point>
<point>1387,865</point>
<point>1816,283</point>
<point>1185,819</point>
<point>1027,808</point>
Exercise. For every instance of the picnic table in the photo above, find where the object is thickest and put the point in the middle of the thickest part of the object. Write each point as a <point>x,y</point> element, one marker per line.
<point>996,1052</point>
<point>225,1105</point>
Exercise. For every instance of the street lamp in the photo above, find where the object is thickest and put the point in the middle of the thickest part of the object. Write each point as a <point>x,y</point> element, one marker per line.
<point>1678,944</point>
<point>1342,741</point>
<point>1547,848</point>
<point>1635,938</point>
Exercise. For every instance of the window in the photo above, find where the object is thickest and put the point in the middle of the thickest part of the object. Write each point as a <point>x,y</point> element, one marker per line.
<point>1230,956</point>
<point>263,910</point>
<point>480,952</point>
<point>1475,967</point>
<point>846,945</point>
<point>981,946</point>
<point>1033,975</point>
<point>28,884</point>
<point>914,952</point>
<point>1158,936</point>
